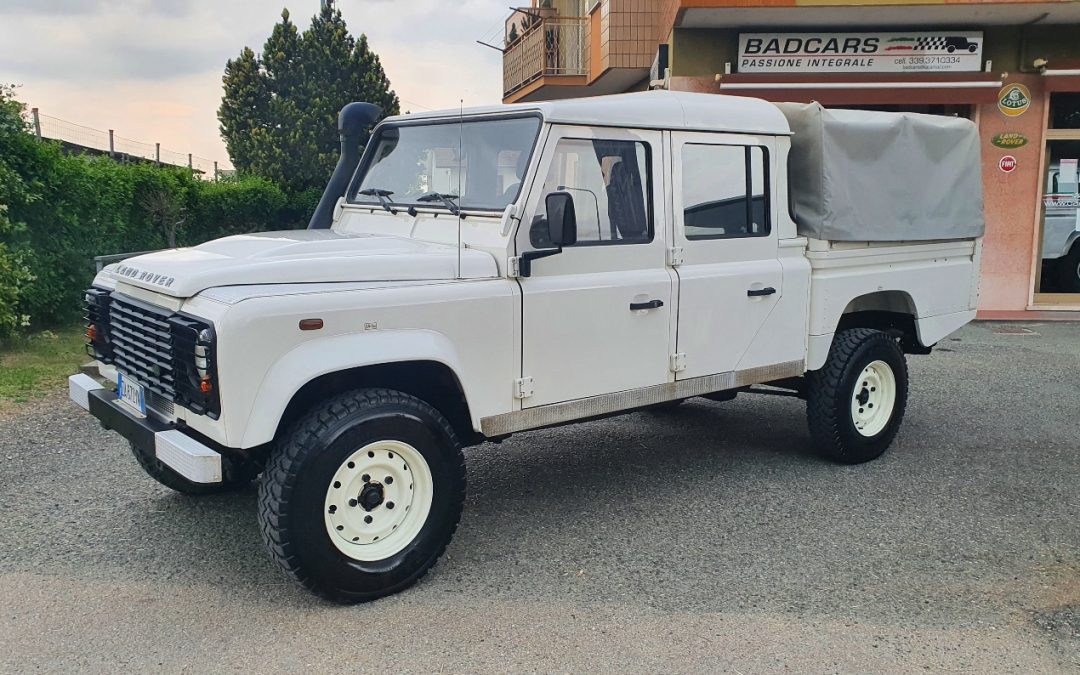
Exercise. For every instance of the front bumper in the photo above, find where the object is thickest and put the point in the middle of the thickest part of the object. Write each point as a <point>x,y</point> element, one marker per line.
<point>180,452</point>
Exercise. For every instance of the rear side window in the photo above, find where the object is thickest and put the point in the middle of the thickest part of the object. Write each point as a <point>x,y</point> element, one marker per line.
<point>725,191</point>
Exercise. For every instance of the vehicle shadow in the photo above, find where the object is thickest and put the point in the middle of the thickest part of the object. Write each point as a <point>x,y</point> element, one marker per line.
<point>633,506</point>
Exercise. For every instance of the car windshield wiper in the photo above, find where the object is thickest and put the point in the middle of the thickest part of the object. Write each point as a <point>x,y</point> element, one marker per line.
<point>441,197</point>
<point>383,196</point>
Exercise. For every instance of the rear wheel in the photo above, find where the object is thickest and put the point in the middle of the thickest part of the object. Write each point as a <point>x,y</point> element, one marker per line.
<point>856,401</point>
<point>362,496</point>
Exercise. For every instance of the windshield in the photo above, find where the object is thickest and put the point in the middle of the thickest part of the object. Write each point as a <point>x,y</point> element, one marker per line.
<point>482,162</point>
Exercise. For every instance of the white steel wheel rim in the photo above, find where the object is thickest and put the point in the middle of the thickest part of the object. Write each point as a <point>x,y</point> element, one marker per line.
<point>400,477</point>
<point>874,398</point>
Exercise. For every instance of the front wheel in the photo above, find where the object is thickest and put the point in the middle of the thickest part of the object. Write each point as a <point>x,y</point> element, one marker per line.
<point>362,496</point>
<point>856,401</point>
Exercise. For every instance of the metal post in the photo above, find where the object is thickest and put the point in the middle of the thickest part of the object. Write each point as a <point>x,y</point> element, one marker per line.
<point>215,170</point>
<point>189,164</point>
<point>112,143</point>
<point>157,153</point>
<point>37,122</point>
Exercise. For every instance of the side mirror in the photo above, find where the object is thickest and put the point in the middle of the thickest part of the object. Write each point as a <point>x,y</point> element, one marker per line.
<point>562,219</point>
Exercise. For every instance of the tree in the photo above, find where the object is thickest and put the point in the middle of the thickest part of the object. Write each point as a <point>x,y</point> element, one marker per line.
<point>279,110</point>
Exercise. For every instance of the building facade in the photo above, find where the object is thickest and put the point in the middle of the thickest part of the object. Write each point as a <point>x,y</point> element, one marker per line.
<point>1013,67</point>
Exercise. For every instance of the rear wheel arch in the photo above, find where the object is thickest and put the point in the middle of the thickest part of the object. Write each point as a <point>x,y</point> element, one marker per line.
<point>892,312</point>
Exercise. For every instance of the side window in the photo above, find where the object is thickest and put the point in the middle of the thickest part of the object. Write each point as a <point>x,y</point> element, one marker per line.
<point>609,182</point>
<point>725,191</point>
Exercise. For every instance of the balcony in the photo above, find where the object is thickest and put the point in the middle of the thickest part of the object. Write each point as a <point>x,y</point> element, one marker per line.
<point>550,47</point>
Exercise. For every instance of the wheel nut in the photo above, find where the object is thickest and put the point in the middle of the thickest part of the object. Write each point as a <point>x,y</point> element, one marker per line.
<point>365,478</point>
<point>367,519</point>
<point>352,502</point>
<point>389,505</point>
<point>389,480</point>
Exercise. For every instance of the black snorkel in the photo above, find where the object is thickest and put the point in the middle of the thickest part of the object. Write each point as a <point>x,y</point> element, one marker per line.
<point>353,120</point>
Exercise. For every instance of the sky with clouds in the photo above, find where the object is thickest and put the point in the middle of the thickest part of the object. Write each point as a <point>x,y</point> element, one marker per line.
<point>151,69</point>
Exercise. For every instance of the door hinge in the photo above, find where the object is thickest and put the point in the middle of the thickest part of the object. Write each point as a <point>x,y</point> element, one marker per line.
<point>513,267</point>
<point>678,362</point>
<point>675,256</point>
<point>523,387</point>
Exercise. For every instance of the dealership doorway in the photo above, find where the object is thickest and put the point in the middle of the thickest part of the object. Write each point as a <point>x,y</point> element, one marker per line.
<point>1058,276</point>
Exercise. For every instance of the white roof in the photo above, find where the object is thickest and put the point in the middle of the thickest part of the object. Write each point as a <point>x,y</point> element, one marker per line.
<point>658,109</point>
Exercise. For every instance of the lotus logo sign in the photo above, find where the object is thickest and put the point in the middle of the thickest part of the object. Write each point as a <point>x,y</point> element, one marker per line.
<point>860,52</point>
<point>1014,100</point>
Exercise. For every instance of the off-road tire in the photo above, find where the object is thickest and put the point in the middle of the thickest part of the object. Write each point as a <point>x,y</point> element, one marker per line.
<point>293,488</point>
<point>830,391</point>
<point>232,479</point>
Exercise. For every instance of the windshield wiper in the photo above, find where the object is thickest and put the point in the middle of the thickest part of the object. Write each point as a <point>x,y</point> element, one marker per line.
<point>383,196</point>
<point>441,197</point>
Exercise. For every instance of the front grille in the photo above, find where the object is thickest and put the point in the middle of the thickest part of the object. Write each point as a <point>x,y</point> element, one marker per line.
<point>171,355</point>
<point>142,344</point>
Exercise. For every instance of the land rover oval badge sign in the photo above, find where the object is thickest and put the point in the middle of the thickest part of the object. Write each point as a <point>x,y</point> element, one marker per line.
<point>1014,100</point>
<point>1009,139</point>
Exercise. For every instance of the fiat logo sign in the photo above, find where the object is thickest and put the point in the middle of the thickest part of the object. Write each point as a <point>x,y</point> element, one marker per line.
<point>1007,164</point>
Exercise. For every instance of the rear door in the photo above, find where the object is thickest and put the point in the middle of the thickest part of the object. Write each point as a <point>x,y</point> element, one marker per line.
<point>729,277</point>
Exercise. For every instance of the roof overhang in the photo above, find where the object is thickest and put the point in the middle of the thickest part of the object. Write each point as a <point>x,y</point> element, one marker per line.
<point>877,15</point>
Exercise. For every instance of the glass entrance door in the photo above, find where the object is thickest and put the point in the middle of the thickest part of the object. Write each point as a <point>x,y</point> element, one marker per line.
<point>1058,280</point>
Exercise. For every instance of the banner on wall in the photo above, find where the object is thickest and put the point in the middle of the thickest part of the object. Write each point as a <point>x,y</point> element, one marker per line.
<point>944,51</point>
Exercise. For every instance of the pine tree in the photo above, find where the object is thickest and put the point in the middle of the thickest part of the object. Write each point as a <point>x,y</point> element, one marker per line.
<point>279,110</point>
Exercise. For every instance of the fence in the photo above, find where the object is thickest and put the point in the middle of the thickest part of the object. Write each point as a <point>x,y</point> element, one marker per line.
<point>107,142</point>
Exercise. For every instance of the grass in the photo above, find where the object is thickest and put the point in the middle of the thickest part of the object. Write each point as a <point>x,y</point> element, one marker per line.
<point>35,365</point>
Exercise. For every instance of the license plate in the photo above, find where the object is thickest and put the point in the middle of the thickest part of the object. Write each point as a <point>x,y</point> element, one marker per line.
<point>130,393</point>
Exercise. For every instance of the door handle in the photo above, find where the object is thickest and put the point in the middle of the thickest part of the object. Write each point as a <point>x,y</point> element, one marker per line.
<point>651,304</point>
<point>757,292</point>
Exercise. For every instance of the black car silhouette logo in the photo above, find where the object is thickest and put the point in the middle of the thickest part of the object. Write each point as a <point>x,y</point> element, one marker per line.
<point>954,43</point>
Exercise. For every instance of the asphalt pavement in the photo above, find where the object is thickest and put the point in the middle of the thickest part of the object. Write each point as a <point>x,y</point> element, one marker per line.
<point>708,539</point>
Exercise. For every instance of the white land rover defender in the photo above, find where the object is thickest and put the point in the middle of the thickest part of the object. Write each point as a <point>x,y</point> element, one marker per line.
<point>484,272</point>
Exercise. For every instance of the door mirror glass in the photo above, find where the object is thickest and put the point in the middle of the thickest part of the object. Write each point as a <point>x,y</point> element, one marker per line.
<point>562,219</point>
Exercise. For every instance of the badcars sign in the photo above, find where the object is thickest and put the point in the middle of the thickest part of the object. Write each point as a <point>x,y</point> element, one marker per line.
<point>950,51</point>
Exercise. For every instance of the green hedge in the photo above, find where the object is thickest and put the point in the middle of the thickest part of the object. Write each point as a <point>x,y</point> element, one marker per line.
<point>59,210</point>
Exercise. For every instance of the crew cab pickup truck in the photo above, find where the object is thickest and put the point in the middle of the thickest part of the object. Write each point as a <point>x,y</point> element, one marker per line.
<point>480,273</point>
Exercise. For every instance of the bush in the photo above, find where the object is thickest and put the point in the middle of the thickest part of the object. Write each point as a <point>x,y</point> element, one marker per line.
<point>58,211</point>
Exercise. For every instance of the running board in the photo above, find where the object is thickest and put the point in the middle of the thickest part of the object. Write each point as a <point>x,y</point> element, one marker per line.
<point>595,406</point>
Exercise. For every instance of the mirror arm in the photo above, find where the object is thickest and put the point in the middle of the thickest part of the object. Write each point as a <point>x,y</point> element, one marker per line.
<point>528,256</point>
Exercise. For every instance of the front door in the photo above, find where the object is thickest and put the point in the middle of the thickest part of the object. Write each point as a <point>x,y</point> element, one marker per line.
<point>729,280</point>
<point>596,317</point>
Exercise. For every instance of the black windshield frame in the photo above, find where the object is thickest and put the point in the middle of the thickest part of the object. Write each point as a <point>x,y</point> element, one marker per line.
<point>369,152</point>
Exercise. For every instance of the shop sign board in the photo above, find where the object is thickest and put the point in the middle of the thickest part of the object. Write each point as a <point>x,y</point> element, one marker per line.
<point>1009,139</point>
<point>914,52</point>
<point>1014,100</point>
<point>1007,164</point>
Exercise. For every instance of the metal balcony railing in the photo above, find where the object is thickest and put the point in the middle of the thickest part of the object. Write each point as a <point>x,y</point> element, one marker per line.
<point>557,46</point>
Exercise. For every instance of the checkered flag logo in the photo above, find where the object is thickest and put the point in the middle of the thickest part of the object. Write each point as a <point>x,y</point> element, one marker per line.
<point>930,43</point>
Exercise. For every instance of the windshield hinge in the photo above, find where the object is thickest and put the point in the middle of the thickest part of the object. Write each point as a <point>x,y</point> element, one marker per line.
<point>675,256</point>
<point>523,387</point>
<point>513,267</point>
<point>678,362</point>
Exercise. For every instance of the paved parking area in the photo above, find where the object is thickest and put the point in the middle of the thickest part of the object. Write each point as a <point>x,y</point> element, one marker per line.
<point>707,539</point>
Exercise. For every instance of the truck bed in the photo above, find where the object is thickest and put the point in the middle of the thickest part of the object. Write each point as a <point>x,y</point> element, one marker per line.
<point>935,281</point>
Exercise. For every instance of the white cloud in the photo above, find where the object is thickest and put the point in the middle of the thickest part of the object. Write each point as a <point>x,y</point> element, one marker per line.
<point>151,69</point>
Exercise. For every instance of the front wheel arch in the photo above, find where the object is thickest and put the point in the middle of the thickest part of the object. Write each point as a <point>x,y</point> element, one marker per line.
<point>430,381</point>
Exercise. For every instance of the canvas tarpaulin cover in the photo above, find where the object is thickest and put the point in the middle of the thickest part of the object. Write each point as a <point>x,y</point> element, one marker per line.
<point>858,175</point>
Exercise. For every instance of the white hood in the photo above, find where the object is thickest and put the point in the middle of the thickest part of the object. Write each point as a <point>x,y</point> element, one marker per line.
<point>299,256</point>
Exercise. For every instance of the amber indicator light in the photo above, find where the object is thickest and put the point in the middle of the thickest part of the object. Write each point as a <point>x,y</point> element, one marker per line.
<point>310,324</point>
